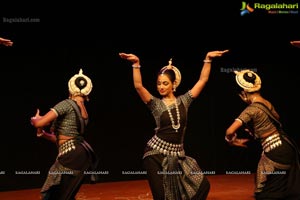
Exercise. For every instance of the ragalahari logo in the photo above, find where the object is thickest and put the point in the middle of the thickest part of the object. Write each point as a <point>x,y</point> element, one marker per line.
<point>246,9</point>
<point>270,8</point>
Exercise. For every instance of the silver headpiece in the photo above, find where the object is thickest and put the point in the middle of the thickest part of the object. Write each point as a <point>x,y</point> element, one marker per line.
<point>176,71</point>
<point>80,84</point>
<point>242,76</point>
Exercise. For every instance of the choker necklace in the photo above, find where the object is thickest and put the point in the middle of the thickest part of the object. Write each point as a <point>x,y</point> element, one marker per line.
<point>174,126</point>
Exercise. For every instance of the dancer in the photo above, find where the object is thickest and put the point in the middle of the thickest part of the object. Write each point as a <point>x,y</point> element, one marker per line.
<point>171,174</point>
<point>278,171</point>
<point>68,119</point>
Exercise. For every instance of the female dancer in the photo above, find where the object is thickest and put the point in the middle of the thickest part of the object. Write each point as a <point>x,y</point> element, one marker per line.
<point>171,174</point>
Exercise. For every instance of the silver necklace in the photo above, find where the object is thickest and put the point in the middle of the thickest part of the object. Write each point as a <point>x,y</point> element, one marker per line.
<point>174,126</point>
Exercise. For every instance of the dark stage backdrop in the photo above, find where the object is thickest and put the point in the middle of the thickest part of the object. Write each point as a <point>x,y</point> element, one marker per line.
<point>50,47</point>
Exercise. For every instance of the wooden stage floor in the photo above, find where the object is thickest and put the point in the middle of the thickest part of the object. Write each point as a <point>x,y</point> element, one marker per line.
<point>223,187</point>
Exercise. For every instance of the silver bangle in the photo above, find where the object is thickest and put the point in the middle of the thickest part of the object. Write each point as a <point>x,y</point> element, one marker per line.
<point>207,61</point>
<point>232,139</point>
<point>136,66</point>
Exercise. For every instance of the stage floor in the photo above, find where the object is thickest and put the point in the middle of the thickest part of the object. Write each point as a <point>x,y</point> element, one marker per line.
<point>223,187</point>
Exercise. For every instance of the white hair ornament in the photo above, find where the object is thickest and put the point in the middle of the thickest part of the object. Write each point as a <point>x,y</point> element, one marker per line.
<point>80,84</point>
<point>176,71</point>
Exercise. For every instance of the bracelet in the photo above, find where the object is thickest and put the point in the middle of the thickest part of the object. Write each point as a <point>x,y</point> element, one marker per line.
<point>207,61</point>
<point>232,138</point>
<point>40,134</point>
<point>136,66</point>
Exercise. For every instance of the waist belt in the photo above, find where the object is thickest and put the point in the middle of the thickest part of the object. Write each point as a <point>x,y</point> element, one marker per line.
<point>66,147</point>
<point>271,142</point>
<point>166,148</point>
